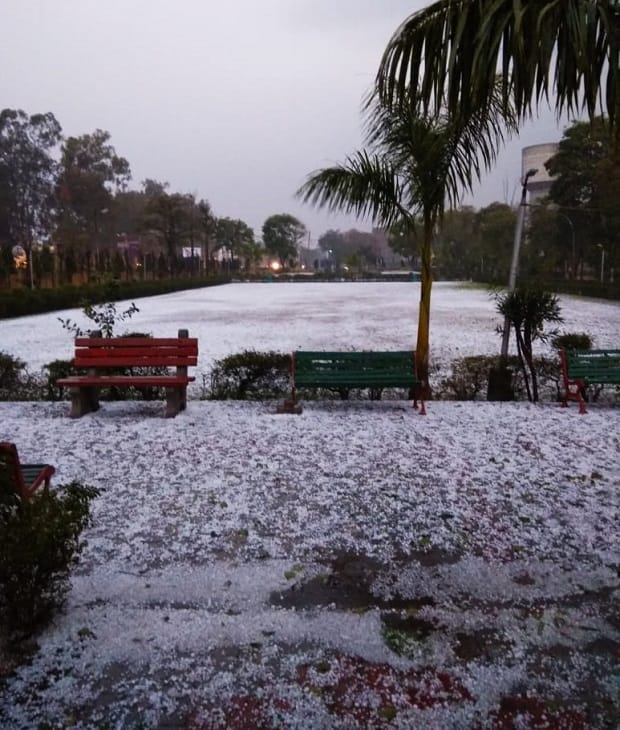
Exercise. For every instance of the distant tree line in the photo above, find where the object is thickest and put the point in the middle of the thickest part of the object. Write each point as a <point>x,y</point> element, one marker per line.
<point>67,215</point>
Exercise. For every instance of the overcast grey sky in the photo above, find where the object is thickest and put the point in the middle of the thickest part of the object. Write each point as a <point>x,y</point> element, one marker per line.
<point>233,100</point>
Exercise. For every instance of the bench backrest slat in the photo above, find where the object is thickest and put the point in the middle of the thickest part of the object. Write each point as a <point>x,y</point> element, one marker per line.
<point>113,342</point>
<point>114,361</point>
<point>110,352</point>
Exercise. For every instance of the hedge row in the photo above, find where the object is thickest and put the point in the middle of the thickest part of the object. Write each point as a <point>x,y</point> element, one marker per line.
<point>21,302</point>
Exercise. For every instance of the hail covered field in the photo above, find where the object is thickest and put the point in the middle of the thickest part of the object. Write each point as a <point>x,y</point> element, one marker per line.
<point>357,565</point>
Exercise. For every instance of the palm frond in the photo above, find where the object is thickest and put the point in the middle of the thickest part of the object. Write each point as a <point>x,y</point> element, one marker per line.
<point>565,51</point>
<point>364,185</point>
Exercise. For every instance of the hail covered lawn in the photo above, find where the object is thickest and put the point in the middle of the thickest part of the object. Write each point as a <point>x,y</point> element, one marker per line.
<point>357,565</point>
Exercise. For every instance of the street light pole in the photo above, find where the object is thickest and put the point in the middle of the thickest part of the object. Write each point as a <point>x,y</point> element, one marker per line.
<point>514,264</point>
<point>572,232</point>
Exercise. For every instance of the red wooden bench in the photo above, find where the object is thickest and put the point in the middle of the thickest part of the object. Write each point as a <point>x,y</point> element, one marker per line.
<point>24,479</point>
<point>97,354</point>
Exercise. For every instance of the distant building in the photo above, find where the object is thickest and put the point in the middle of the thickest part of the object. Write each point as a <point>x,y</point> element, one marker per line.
<point>534,158</point>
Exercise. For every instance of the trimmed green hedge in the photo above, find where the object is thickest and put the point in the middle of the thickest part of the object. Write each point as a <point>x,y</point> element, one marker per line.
<point>21,302</point>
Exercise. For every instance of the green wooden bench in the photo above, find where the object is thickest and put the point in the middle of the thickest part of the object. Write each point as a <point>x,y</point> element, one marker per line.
<point>344,370</point>
<point>582,368</point>
<point>101,355</point>
<point>24,479</point>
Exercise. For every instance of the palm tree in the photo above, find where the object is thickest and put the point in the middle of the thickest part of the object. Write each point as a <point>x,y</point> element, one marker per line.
<point>449,52</point>
<point>415,164</point>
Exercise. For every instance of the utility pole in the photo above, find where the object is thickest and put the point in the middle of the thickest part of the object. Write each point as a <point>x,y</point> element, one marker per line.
<point>514,265</point>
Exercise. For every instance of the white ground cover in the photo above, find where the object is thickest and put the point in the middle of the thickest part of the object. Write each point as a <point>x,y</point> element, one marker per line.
<point>358,565</point>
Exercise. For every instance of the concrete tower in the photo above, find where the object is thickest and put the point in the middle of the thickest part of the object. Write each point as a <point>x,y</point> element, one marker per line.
<point>534,157</point>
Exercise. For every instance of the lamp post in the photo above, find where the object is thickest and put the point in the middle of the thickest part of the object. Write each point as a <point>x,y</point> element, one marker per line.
<point>600,245</point>
<point>572,233</point>
<point>514,264</point>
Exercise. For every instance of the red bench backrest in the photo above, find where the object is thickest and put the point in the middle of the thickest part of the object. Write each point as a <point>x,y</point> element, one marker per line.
<point>93,352</point>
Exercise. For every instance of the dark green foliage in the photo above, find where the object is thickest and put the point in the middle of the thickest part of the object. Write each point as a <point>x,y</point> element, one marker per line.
<point>251,375</point>
<point>528,310</point>
<point>21,302</point>
<point>572,341</point>
<point>16,383</point>
<point>53,371</point>
<point>11,369</point>
<point>39,542</point>
<point>469,377</point>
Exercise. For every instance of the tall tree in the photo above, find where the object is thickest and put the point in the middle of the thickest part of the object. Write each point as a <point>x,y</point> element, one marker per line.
<point>415,164</point>
<point>231,236</point>
<point>586,186</point>
<point>281,235</point>
<point>169,217</point>
<point>90,173</point>
<point>207,225</point>
<point>495,225</point>
<point>562,50</point>
<point>27,175</point>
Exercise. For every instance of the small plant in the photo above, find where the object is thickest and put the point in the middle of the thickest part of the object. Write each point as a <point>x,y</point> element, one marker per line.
<point>104,316</point>
<point>528,310</point>
<point>39,542</point>
<point>572,341</point>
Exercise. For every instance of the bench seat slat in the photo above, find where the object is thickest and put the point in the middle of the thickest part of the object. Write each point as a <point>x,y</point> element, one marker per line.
<point>125,380</point>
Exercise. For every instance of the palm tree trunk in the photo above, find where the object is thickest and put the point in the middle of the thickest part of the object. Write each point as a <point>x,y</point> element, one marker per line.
<point>426,283</point>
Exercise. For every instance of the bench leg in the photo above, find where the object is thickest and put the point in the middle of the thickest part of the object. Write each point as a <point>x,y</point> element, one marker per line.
<point>83,400</point>
<point>175,401</point>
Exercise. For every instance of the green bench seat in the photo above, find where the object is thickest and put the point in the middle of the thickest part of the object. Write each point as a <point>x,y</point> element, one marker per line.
<point>345,370</point>
<point>582,368</point>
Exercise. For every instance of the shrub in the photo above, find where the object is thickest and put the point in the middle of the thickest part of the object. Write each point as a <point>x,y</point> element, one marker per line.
<point>53,371</point>
<point>469,377</point>
<point>250,375</point>
<point>39,542</point>
<point>572,341</point>
<point>11,370</point>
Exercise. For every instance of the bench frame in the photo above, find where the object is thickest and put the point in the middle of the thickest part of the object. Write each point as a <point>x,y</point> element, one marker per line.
<point>581,368</point>
<point>367,369</point>
<point>95,353</point>
<point>25,478</point>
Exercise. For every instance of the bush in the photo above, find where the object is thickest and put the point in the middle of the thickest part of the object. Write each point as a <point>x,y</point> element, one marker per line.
<point>21,302</point>
<point>11,369</point>
<point>16,383</point>
<point>572,341</point>
<point>53,371</point>
<point>469,377</point>
<point>39,542</point>
<point>251,375</point>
